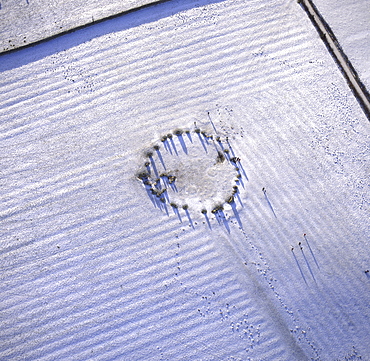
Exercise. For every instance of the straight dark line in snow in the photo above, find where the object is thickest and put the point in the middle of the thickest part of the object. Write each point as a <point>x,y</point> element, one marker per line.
<point>299,267</point>
<point>83,26</point>
<point>336,51</point>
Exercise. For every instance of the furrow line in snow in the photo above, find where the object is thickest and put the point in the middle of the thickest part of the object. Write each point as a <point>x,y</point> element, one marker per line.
<point>289,206</point>
<point>115,80</point>
<point>43,22</point>
<point>111,52</point>
<point>345,65</point>
<point>48,190</point>
<point>140,40</point>
<point>141,287</point>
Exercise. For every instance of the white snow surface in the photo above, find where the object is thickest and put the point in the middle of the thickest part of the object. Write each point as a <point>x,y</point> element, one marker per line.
<point>24,22</point>
<point>350,22</point>
<point>95,267</point>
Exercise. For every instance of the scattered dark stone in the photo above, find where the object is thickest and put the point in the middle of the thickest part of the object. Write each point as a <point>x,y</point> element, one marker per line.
<point>230,200</point>
<point>217,209</point>
<point>220,157</point>
<point>143,175</point>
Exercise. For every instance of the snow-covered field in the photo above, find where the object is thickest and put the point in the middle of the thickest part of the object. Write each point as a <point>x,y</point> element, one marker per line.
<point>350,21</point>
<point>24,22</point>
<point>94,266</point>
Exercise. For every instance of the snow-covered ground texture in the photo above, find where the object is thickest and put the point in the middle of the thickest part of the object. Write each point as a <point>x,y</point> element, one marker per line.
<point>24,22</point>
<point>350,22</point>
<point>96,264</point>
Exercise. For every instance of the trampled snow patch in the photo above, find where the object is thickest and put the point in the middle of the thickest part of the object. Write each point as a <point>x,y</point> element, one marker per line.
<point>191,169</point>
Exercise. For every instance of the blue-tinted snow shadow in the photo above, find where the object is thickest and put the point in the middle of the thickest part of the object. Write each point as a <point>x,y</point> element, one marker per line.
<point>238,164</point>
<point>224,220</point>
<point>159,155</point>
<point>307,263</point>
<point>188,134</point>
<point>236,214</point>
<point>312,254</point>
<point>176,211</point>
<point>299,266</point>
<point>210,120</point>
<point>221,219</point>
<point>155,170</point>
<point>182,143</point>
<point>230,148</point>
<point>207,220</point>
<point>167,146</point>
<point>157,203</point>
<point>235,160</point>
<point>173,186</point>
<point>171,142</point>
<point>242,169</point>
<point>202,141</point>
<point>83,34</point>
<point>239,199</point>
<point>189,218</point>
<point>269,203</point>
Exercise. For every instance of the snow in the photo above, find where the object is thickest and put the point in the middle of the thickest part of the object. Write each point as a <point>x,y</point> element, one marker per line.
<point>27,21</point>
<point>170,173</point>
<point>93,267</point>
<point>349,21</point>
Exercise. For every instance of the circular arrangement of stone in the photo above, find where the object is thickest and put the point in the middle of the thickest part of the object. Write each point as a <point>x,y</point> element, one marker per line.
<point>191,169</point>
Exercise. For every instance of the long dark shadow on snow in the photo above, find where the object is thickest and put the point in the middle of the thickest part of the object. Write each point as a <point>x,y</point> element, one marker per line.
<point>307,263</point>
<point>236,214</point>
<point>183,145</point>
<point>222,216</point>
<point>269,203</point>
<point>161,158</point>
<point>189,218</point>
<point>129,19</point>
<point>207,220</point>
<point>299,266</point>
<point>312,254</point>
